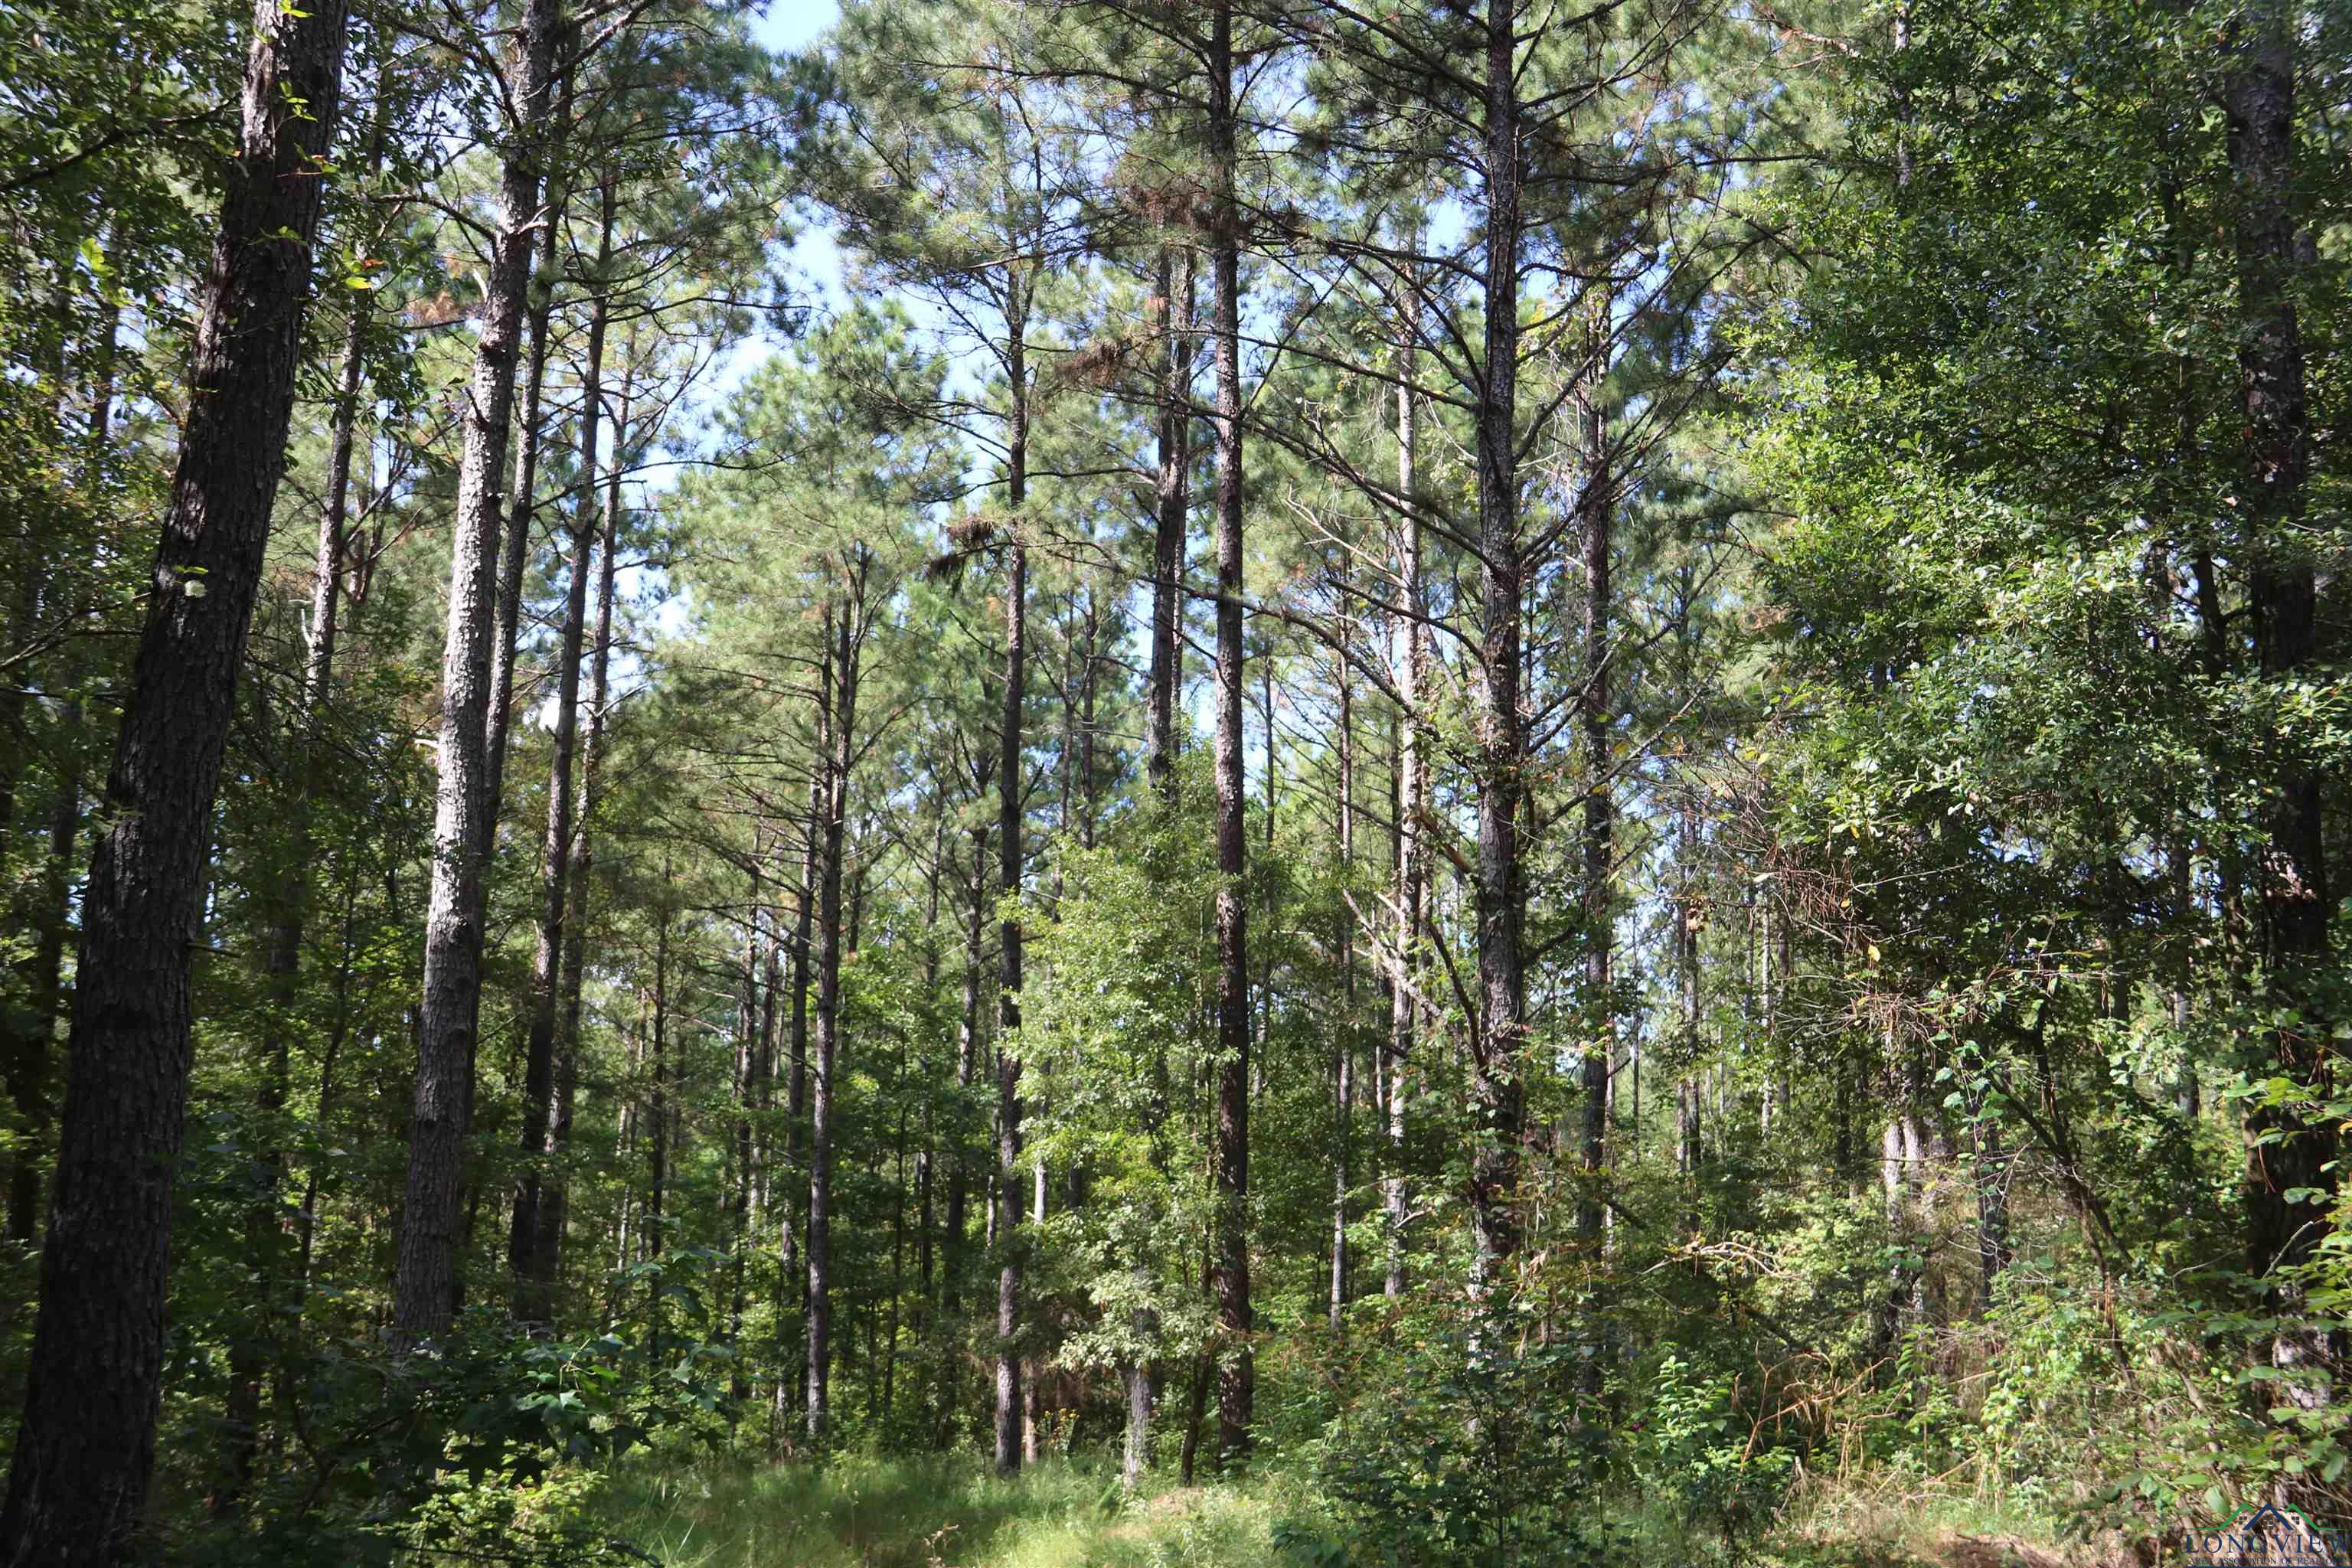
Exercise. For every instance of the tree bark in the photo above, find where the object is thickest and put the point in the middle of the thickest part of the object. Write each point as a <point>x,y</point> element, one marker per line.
<point>522,504</point>
<point>531,1250</point>
<point>1008,849</point>
<point>1501,755</point>
<point>1411,805</point>
<point>841,687</point>
<point>85,1451</point>
<point>1599,891</point>
<point>1230,1276</point>
<point>425,1287</point>
<point>1172,498</point>
<point>554,1198</point>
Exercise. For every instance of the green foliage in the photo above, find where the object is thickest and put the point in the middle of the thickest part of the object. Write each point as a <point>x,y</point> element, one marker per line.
<point>1465,1452</point>
<point>1696,1452</point>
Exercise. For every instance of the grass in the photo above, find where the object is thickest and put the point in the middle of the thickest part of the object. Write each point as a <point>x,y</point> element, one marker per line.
<point>937,1512</point>
<point>950,1511</point>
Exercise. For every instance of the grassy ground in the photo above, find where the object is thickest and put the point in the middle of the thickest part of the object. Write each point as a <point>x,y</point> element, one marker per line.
<point>943,1512</point>
<point>951,1512</point>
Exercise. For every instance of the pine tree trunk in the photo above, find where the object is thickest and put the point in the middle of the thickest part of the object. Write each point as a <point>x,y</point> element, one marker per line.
<point>522,502</point>
<point>1172,505</point>
<point>1008,849</point>
<point>1344,1065</point>
<point>841,687</point>
<point>85,1451</point>
<point>1412,803</point>
<point>1499,1037</point>
<point>1230,1274</point>
<point>554,1198</point>
<point>531,1251</point>
<point>425,1287</point>
<point>1599,891</point>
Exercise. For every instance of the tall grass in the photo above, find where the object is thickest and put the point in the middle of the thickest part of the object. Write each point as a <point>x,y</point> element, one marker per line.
<point>936,1512</point>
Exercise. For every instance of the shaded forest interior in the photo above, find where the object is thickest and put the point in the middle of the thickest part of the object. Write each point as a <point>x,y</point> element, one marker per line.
<point>1317,782</point>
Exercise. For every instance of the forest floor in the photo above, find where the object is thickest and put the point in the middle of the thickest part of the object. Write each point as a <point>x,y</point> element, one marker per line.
<point>943,1512</point>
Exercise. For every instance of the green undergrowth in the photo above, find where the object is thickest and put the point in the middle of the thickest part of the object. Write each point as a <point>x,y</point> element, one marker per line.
<point>942,1512</point>
<point>945,1511</point>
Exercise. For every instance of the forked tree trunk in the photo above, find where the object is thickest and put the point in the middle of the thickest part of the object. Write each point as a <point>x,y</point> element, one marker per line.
<point>522,501</point>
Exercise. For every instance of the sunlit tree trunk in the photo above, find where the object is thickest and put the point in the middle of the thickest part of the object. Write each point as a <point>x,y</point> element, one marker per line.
<point>425,1287</point>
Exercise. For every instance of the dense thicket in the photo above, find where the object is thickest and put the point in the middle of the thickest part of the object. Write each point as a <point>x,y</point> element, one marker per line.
<point>1545,763</point>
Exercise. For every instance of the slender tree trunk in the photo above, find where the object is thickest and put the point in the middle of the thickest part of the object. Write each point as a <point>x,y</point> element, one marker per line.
<point>85,1451</point>
<point>744,1171</point>
<point>1230,1276</point>
<point>44,974</point>
<point>788,1225</point>
<point>30,1033</point>
<point>842,686</point>
<point>554,1196</point>
<point>265,1231</point>
<point>1009,815</point>
<point>1344,1065</point>
<point>1412,803</point>
<point>531,1249</point>
<point>522,503</point>
<point>1173,505</point>
<point>425,1287</point>
<point>1499,1037</point>
<point>1032,1392</point>
<point>968,1026</point>
<point>1599,891</point>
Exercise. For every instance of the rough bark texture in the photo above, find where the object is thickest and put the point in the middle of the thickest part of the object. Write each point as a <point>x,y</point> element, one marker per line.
<point>522,507</point>
<point>424,1286</point>
<point>1230,1274</point>
<point>1501,755</point>
<point>841,687</point>
<point>1008,827</point>
<point>1596,717</point>
<point>85,1449</point>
